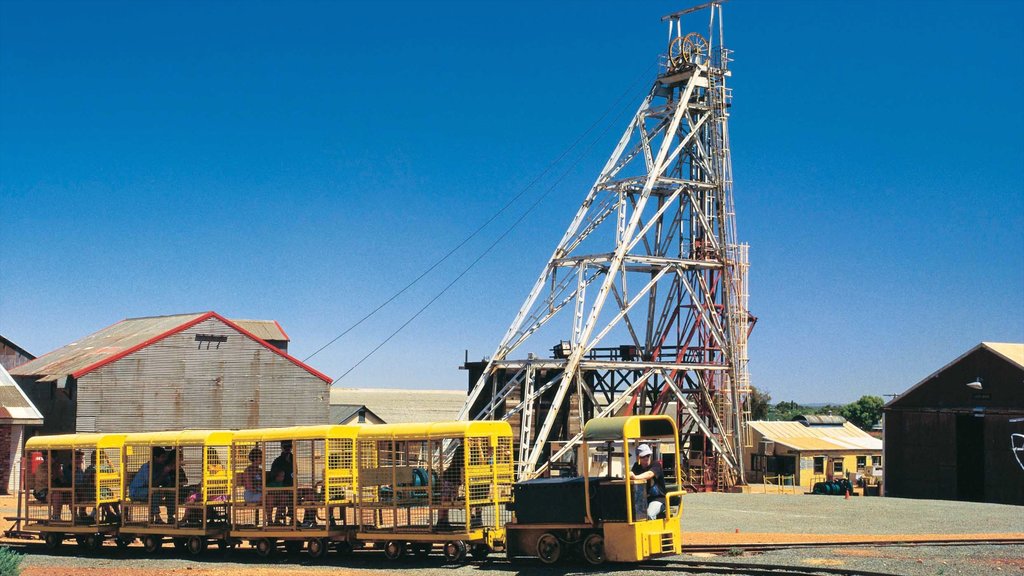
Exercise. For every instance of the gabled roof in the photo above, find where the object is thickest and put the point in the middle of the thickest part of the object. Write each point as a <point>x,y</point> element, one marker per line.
<point>15,347</point>
<point>15,407</point>
<point>803,438</point>
<point>342,412</point>
<point>117,341</point>
<point>1009,351</point>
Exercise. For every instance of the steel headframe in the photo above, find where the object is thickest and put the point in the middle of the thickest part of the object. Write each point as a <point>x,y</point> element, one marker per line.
<point>656,237</point>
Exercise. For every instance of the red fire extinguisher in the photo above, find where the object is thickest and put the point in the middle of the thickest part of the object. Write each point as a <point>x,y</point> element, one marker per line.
<point>35,460</point>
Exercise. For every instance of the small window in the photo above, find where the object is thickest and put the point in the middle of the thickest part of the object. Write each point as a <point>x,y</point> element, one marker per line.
<point>862,462</point>
<point>878,461</point>
<point>757,462</point>
<point>819,464</point>
<point>837,466</point>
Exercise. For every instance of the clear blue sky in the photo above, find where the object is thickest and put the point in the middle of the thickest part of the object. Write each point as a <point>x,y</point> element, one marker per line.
<point>301,161</point>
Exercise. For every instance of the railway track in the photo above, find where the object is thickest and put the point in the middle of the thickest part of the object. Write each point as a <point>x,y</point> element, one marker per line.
<point>750,569</point>
<point>726,548</point>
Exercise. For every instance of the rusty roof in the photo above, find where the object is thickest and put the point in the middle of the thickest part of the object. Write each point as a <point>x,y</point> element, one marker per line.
<point>803,438</point>
<point>264,329</point>
<point>114,342</point>
<point>15,407</point>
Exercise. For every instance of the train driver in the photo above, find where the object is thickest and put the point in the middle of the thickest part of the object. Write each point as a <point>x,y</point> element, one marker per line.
<point>650,472</point>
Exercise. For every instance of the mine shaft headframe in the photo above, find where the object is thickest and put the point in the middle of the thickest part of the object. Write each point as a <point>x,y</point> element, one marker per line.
<point>689,49</point>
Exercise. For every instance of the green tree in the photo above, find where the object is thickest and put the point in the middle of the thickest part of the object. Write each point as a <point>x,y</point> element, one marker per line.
<point>760,402</point>
<point>863,413</point>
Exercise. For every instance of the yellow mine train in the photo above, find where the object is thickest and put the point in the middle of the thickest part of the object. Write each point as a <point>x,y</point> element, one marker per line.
<point>399,488</point>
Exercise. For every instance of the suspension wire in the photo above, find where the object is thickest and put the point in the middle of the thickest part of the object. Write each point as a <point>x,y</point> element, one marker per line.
<point>498,240</point>
<point>493,217</point>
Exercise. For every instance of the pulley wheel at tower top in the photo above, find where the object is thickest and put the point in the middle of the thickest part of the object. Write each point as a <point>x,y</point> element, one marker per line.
<point>689,49</point>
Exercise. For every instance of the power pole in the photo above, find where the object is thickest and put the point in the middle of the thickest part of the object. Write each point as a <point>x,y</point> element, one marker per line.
<point>646,292</point>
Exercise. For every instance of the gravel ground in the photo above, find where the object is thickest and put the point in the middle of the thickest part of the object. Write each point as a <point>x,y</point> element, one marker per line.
<point>713,512</point>
<point>904,561</point>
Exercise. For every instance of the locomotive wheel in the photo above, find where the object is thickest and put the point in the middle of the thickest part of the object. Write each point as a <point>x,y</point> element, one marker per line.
<point>316,547</point>
<point>394,549</point>
<point>593,549</point>
<point>549,548</point>
<point>151,543</point>
<point>53,540</point>
<point>265,547</point>
<point>293,546</point>
<point>196,545</point>
<point>480,551</point>
<point>454,551</point>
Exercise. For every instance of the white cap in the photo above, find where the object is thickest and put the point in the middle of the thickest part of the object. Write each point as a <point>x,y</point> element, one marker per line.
<point>643,450</point>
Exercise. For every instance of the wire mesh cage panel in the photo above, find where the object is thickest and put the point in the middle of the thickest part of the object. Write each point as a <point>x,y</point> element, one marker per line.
<point>151,475</point>
<point>434,485</point>
<point>247,488</point>
<point>302,483</point>
<point>72,485</point>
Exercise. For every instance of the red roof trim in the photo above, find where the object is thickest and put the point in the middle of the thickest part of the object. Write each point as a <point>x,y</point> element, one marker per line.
<point>273,349</point>
<point>189,324</point>
<point>282,331</point>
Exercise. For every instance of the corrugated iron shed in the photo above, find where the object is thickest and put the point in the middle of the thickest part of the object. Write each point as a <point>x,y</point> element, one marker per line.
<point>113,342</point>
<point>399,406</point>
<point>801,438</point>
<point>15,407</point>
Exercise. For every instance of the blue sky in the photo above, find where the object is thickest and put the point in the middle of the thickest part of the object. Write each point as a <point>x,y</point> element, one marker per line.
<point>302,161</point>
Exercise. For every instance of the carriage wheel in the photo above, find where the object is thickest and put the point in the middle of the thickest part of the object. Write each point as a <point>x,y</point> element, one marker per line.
<point>394,549</point>
<point>593,549</point>
<point>53,540</point>
<point>480,551</point>
<point>265,547</point>
<point>151,543</point>
<point>454,551</point>
<point>549,549</point>
<point>94,542</point>
<point>316,547</point>
<point>196,545</point>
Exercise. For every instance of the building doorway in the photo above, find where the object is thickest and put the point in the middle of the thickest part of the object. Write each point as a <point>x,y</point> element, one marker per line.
<point>970,457</point>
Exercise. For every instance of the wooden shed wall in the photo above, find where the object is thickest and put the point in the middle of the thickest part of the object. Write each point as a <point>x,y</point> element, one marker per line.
<point>181,383</point>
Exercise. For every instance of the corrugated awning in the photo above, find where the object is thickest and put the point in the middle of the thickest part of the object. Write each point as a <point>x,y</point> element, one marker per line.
<point>802,438</point>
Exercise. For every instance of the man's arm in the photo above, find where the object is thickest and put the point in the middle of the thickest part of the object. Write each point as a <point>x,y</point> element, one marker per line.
<point>644,475</point>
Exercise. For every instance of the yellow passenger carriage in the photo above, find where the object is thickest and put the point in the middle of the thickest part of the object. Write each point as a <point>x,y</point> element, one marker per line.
<point>446,482</point>
<point>294,486</point>
<point>177,485</point>
<point>605,514</point>
<point>72,488</point>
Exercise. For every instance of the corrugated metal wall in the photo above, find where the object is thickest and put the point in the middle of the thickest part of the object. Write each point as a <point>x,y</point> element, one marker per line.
<point>181,383</point>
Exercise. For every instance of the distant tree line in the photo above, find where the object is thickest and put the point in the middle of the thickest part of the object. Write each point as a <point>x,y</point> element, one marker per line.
<point>864,413</point>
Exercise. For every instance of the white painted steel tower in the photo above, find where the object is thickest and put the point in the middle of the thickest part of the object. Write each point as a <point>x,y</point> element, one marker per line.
<point>645,296</point>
